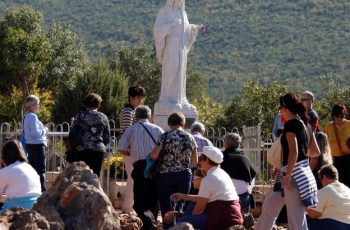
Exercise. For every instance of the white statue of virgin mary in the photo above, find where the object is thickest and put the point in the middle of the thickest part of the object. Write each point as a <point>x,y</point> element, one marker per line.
<point>174,37</point>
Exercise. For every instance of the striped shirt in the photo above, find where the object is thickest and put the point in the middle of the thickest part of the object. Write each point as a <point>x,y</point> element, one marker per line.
<point>306,183</point>
<point>137,141</point>
<point>126,117</point>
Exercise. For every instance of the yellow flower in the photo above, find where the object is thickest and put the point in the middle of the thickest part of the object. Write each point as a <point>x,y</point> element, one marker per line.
<point>116,166</point>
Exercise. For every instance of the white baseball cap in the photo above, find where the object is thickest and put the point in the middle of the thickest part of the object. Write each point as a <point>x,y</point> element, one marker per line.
<point>213,154</point>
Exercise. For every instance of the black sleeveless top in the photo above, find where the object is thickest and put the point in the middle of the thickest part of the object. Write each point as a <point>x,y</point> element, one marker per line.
<point>295,126</point>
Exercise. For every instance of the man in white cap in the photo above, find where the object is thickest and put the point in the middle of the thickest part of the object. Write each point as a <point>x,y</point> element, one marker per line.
<point>216,194</point>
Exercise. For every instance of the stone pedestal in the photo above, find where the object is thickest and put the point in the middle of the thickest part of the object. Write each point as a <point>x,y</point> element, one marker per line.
<point>162,110</point>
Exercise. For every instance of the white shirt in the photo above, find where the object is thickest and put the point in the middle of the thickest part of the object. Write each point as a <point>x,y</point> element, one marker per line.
<point>334,202</point>
<point>19,180</point>
<point>217,185</point>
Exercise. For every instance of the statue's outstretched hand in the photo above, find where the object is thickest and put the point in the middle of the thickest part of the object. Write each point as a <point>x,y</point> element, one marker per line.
<point>176,22</point>
<point>201,28</point>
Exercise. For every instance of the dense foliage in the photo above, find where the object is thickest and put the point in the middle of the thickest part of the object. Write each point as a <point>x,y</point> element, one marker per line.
<point>293,42</point>
<point>99,79</point>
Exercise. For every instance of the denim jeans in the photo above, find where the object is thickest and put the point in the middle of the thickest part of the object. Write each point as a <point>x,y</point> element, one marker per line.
<point>37,159</point>
<point>244,199</point>
<point>198,221</point>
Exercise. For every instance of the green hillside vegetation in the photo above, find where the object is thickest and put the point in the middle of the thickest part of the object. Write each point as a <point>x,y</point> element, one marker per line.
<point>298,43</point>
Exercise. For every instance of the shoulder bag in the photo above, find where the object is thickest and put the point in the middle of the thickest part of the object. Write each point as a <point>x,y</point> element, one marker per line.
<point>74,138</point>
<point>22,137</point>
<point>274,153</point>
<point>309,132</point>
<point>152,166</point>
<point>75,134</point>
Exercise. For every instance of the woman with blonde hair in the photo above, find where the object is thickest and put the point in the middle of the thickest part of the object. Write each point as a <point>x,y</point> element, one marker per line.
<point>325,157</point>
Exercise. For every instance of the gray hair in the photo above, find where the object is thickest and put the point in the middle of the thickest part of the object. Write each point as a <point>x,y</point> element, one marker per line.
<point>143,112</point>
<point>234,139</point>
<point>197,127</point>
<point>309,94</point>
<point>31,100</point>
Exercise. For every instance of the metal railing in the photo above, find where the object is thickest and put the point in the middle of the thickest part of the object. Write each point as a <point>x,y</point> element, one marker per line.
<point>253,146</point>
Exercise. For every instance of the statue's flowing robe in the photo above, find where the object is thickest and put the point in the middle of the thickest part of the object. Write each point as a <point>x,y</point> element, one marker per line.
<point>172,45</point>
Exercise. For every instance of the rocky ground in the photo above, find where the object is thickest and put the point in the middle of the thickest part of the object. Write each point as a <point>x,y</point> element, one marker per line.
<point>76,201</point>
<point>132,222</point>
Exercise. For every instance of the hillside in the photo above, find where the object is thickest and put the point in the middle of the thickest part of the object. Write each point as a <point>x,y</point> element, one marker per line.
<point>296,42</point>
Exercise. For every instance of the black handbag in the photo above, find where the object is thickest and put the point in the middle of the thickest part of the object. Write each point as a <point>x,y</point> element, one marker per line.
<point>71,156</point>
<point>155,167</point>
<point>75,135</point>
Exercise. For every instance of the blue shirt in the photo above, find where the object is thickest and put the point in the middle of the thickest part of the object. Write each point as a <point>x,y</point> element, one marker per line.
<point>201,141</point>
<point>34,130</point>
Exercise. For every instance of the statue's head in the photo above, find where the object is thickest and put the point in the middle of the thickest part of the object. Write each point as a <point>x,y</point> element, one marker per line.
<point>180,4</point>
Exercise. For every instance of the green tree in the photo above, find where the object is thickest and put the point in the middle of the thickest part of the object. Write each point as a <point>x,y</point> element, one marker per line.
<point>11,105</point>
<point>24,49</point>
<point>138,63</point>
<point>68,59</point>
<point>256,105</point>
<point>333,92</point>
<point>100,79</point>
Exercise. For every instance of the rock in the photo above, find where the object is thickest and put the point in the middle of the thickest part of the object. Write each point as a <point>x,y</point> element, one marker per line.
<point>79,201</point>
<point>130,221</point>
<point>20,218</point>
<point>248,220</point>
<point>52,216</point>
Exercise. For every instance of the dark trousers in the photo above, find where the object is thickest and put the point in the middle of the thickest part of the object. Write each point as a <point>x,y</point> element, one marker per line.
<point>145,194</point>
<point>342,164</point>
<point>326,224</point>
<point>92,158</point>
<point>37,159</point>
<point>169,183</point>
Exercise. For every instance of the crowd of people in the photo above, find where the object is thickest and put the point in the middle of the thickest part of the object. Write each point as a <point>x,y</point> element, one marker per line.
<point>193,181</point>
<point>308,184</point>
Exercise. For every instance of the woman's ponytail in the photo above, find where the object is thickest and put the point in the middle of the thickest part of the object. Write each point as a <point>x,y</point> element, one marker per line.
<point>301,111</point>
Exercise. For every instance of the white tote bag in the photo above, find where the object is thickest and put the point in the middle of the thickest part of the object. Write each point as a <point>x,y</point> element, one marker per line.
<point>274,154</point>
